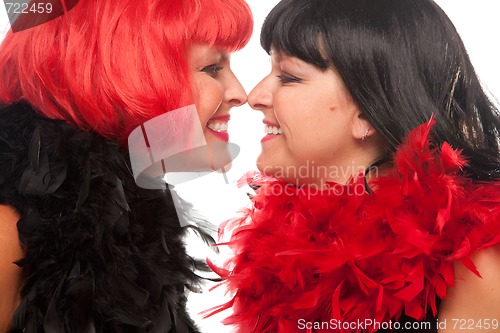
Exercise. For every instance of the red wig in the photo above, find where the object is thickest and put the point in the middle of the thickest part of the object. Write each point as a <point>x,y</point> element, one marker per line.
<point>109,66</point>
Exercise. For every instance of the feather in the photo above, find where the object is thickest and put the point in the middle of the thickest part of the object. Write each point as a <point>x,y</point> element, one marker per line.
<point>96,258</point>
<point>84,190</point>
<point>34,150</point>
<point>452,159</point>
<point>389,255</point>
<point>52,322</point>
<point>201,231</point>
<point>470,265</point>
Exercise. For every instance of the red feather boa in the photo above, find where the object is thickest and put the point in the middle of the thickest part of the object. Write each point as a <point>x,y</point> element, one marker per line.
<point>346,255</point>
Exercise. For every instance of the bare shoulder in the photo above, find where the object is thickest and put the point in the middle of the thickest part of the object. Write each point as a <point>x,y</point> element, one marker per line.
<point>8,232</point>
<point>474,303</point>
<point>10,274</point>
<point>9,239</point>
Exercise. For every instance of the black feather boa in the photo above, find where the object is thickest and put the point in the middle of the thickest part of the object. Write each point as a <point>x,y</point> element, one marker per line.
<point>101,254</point>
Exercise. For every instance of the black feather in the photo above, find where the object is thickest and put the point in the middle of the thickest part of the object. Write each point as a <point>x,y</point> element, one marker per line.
<point>101,254</point>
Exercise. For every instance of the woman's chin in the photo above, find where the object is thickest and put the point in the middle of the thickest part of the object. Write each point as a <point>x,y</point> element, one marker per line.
<point>221,153</point>
<point>268,168</point>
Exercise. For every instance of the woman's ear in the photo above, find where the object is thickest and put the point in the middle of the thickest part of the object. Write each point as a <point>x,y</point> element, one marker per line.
<point>361,127</point>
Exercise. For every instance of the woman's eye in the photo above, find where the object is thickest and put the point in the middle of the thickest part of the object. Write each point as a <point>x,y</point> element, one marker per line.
<point>287,78</point>
<point>212,70</point>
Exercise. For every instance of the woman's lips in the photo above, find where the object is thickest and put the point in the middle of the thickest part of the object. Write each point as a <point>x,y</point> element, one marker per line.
<point>218,127</point>
<point>272,131</point>
<point>224,136</point>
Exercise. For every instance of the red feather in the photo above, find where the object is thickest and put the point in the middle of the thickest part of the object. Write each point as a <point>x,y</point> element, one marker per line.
<point>340,254</point>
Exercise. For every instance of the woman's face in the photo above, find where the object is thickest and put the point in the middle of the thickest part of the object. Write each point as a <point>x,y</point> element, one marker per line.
<point>216,89</point>
<point>313,127</point>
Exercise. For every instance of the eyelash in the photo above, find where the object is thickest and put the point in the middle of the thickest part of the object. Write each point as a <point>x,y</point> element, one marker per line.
<point>287,78</point>
<point>212,70</point>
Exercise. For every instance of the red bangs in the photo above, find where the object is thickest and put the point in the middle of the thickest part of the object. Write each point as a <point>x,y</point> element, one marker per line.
<point>225,23</point>
<point>109,66</point>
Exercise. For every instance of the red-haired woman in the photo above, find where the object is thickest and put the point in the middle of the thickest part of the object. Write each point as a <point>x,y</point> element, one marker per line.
<point>84,249</point>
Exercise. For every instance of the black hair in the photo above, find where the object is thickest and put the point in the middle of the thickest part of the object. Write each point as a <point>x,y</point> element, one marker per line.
<point>402,61</point>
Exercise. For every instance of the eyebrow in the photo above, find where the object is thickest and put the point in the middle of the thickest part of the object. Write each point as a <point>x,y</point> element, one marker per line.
<point>293,61</point>
<point>208,56</point>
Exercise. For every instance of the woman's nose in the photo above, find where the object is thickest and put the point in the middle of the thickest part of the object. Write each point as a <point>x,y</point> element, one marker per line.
<point>235,94</point>
<point>261,96</point>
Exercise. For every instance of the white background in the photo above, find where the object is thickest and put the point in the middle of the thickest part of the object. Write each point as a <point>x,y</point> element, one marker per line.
<point>477,22</point>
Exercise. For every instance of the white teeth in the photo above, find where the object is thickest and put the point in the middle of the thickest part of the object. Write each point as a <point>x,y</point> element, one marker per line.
<point>273,130</point>
<point>218,127</point>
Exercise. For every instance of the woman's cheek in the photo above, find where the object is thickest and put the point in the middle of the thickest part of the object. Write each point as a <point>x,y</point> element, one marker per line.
<point>208,98</point>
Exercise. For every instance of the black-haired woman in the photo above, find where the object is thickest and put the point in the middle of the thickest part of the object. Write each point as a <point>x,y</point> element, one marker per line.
<point>378,208</point>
